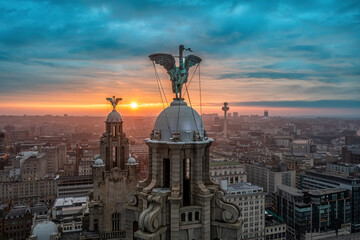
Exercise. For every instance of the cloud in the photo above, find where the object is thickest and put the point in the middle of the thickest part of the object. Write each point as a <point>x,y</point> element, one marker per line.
<point>298,104</point>
<point>307,49</point>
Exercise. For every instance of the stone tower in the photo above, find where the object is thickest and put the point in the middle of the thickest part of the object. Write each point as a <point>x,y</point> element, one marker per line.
<point>114,147</point>
<point>178,200</point>
<point>114,178</point>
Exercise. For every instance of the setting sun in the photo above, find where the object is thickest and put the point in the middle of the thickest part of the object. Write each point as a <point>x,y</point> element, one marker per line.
<point>134,105</point>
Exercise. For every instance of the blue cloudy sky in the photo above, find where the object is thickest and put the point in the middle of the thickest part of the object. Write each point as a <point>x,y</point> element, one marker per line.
<point>297,54</point>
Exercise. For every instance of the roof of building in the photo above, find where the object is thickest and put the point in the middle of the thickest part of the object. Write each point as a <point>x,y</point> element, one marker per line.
<point>131,161</point>
<point>44,230</point>
<point>69,201</point>
<point>224,163</point>
<point>301,141</point>
<point>243,188</point>
<point>326,191</point>
<point>99,163</point>
<point>114,116</point>
<point>292,190</point>
<point>179,118</point>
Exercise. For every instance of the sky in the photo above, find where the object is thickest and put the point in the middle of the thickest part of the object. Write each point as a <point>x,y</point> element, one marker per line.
<point>290,57</point>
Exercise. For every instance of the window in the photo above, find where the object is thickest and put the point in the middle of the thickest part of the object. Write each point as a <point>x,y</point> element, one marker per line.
<point>183,217</point>
<point>115,219</point>
<point>190,216</point>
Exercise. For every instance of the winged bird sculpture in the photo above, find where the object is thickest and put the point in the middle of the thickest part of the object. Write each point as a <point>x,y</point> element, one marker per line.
<point>178,75</point>
<point>114,101</point>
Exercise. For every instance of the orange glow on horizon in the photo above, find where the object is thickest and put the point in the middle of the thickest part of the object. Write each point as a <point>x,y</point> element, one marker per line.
<point>149,109</point>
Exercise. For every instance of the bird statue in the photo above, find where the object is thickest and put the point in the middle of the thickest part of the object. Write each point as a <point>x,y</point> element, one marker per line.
<point>114,101</point>
<point>178,75</point>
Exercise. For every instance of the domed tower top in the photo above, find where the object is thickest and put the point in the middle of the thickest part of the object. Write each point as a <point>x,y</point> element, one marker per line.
<point>113,116</point>
<point>179,123</point>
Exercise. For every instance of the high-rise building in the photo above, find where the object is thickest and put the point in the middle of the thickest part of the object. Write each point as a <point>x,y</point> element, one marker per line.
<point>251,201</point>
<point>314,214</point>
<point>320,179</point>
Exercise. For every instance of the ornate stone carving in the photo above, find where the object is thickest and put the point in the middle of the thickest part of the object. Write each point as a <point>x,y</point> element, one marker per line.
<point>230,212</point>
<point>150,219</point>
<point>115,175</point>
<point>157,134</point>
<point>176,136</point>
<point>197,136</point>
<point>132,199</point>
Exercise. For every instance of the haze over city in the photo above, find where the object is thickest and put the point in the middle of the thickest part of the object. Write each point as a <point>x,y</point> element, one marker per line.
<point>290,57</point>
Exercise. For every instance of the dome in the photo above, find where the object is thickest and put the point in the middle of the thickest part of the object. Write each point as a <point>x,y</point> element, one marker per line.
<point>114,116</point>
<point>179,118</point>
<point>131,160</point>
<point>99,163</point>
<point>97,156</point>
<point>44,230</point>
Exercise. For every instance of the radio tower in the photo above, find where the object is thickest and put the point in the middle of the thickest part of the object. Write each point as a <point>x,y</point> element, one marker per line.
<point>225,108</point>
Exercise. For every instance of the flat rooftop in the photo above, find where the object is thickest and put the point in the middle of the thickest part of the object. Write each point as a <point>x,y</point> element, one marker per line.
<point>243,188</point>
<point>69,201</point>
<point>326,191</point>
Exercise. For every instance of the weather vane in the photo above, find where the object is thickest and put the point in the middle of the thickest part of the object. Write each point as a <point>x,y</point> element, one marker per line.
<point>178,75</point>
<point>114,101</point>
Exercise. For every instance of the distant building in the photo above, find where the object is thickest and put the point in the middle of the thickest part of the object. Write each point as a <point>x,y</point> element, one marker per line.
<point>9,173</point>
<point>341,168</point>
<point>302,147</point>
<point>56,157</point>
<point>275,227</point>
<point>32,191</point>
<point>270,178</point>
<point>74,186</point>
<point>251,201</point>
<point>34,167</point>
<point>232,172</point>
<point>283,141</point>
<point>18,221</point>
<point>314,214</point>
<point>351,154</point>
<point>3,139</point>
<point>68,213</point>
<point>266,113</point>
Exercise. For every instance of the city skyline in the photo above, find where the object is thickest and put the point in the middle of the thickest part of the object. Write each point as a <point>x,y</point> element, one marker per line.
<point>290,58</point>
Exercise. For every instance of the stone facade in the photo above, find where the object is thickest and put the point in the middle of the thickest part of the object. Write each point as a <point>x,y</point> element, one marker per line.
<point>113,180</point>
<point>178,200</point>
